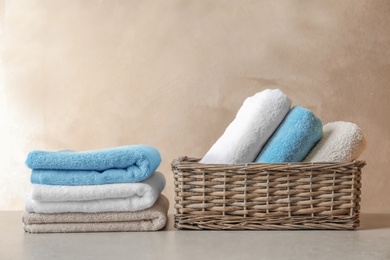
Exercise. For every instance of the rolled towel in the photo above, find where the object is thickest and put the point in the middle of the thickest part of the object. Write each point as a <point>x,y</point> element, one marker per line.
<point>255,122</point>
<point>341,142</point>
<point>294,138</point>
<point>116,165</point>
<point>151,219</point>
<point>96,198</point>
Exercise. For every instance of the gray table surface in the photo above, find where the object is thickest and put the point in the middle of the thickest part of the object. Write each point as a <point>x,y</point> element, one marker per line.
<point>370,241</point>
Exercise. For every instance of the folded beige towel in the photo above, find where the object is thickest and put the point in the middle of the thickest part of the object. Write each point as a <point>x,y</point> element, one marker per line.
<point>151,219</point>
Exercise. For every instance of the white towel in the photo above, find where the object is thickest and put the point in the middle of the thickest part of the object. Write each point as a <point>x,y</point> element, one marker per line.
<point>254,124</point>
<point>341,142</point>
<point>96,198</point>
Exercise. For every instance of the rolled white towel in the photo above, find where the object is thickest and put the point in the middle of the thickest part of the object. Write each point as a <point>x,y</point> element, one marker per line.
<point>341,142</point>
<point>254,124</point>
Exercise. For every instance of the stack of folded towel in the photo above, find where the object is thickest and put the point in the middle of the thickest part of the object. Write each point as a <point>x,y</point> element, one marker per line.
<point>107,190</point>
<point>266,129</point>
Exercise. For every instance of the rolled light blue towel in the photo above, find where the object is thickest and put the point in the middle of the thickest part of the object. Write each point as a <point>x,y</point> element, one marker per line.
<point>125,164</point>
<point>294,138</point>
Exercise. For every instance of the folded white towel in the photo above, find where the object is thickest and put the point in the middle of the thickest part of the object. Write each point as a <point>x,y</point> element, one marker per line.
<point>96,198</point>
<point>341,142</point>
<point>254,124</point>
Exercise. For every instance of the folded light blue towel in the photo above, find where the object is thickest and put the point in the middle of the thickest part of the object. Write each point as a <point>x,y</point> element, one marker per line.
<point>294,138</point>
<point>132,174</point>
<point>115,165</point>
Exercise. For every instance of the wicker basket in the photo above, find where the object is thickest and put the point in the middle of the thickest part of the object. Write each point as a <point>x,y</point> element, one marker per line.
<point>267,196</point>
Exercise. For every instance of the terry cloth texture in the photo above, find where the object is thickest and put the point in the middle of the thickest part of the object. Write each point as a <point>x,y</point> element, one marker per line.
<point>140,156</point>
<point>150,219</point>
<point>255,122</point>
<point>341,142</point>
<point>294,138</point>
<point>96,198</point>
<point>145,190</point>
<point>127,164</point>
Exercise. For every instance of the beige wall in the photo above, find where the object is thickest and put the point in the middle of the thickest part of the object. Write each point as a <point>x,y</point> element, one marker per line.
<point>90,74</point>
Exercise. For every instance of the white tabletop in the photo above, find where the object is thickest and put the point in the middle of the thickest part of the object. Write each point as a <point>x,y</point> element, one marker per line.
<point>370,241</point>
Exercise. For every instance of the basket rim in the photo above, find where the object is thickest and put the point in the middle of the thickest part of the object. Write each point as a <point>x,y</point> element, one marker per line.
<point>187,162</point>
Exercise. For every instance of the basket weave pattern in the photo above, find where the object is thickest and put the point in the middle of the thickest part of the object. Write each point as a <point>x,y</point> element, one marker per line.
<point>267,196</point>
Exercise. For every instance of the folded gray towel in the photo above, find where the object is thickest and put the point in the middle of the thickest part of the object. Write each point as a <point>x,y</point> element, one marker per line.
<point>152,219</point>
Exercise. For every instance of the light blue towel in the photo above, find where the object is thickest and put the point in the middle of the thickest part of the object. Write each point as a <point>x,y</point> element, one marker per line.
<point>294,138</point>
<point>115,165</point>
